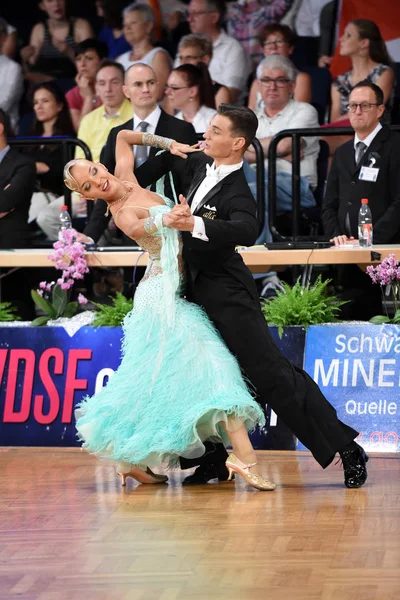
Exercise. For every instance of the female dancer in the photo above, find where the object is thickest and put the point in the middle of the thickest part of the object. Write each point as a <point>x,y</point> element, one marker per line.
<point>187,387</point>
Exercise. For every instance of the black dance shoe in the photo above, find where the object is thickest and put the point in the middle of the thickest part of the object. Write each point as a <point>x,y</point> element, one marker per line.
<point>354,465</point>
<point>204,473</point>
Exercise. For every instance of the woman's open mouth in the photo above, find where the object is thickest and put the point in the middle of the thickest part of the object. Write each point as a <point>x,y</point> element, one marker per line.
<point>105,186</point>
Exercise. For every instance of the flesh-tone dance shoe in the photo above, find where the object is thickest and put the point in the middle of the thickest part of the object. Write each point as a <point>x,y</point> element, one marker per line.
<point>142,476</point>
<point>234,465</point>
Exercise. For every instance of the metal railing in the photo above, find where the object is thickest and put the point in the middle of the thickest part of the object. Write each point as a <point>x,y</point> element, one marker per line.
<point>68,145</point>
<point>260,186</point>
<point>296,135</point>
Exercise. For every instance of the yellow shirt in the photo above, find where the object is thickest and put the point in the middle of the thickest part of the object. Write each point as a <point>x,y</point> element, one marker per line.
<point>96,125</point>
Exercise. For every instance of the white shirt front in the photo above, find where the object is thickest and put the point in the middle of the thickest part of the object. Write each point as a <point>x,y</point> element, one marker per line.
<point>213,176</point>
<point>152,120</point>
<point>11,88</point>
<point>295,115</point>
<point>229,65</point>
<point>202,118</point>
<point>369,138</point>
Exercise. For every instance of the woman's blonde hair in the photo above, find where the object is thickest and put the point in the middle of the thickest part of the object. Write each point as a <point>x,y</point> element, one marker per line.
<point>69,179</point>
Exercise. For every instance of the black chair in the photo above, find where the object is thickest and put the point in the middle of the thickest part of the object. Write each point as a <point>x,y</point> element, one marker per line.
<point>310,218</point>
<point>320,90</point>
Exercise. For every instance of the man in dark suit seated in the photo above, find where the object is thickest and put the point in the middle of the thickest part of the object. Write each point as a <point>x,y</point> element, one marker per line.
<point>17,183</point>
<point>366,167</point>
<point>141,88</point>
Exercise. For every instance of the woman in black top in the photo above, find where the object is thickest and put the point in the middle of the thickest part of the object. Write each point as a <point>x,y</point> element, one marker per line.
<point>52,118</point>
<point>52,45</point>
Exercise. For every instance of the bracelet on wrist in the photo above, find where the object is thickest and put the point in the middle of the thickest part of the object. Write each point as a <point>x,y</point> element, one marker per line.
<point>156,141</point>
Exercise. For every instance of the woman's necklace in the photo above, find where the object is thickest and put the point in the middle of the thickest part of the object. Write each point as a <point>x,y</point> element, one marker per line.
<point>116,202</point>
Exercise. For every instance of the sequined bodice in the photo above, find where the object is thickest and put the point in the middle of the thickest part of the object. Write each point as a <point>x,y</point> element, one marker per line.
<point>152,244</point>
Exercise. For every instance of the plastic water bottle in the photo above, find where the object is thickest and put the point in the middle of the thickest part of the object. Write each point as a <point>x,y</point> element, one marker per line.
<point>65,220</point>
<point>365,224</point>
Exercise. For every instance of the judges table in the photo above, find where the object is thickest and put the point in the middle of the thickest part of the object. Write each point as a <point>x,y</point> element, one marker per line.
<point>257,258</point>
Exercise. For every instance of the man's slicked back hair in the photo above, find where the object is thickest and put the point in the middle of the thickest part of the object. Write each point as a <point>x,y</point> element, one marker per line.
<point>244,122</point>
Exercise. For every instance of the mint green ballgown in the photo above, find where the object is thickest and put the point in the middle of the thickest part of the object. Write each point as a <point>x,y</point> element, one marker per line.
<point>177,381</point>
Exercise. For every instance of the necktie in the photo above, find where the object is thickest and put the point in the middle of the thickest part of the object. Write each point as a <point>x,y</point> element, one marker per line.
<point>360,151</point>
<point>141,151</point>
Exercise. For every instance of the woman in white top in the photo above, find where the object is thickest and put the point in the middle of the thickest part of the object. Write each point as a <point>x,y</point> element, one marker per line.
<point>190,91</point>
<point>138,23</point>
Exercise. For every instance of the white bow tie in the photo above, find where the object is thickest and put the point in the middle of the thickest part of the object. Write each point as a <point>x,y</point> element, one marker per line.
<point>212,172</point>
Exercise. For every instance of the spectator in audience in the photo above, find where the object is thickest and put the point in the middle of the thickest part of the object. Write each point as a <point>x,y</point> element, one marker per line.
<point>115,109</point>
<point>112,31</point>
<point>17,181</point>
<point>277,76</point>
<point>10,42</point>
<point>196,48</point>
<point>362,42</point>
<point>373,146</point>
<point>279,40</point>
<point>229,65</point>
<point>51,50</point>
<point>190,92</point>
<point>246,20</point>
<point>328,22</point>
<point>310,31</point>
<point>141,88</point>
<point>139,23</point>
<point>82,98</point>
<point>94,129</point>
<point>52,118</point>
<point>11,81</point>
<point>175,24</point>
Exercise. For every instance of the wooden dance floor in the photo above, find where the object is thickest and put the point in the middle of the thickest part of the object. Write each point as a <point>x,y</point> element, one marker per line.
<point>68,531</point>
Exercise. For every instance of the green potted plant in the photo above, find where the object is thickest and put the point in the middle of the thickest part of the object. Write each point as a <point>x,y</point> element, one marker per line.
<point>7,312</point>
<point>302,306</point>
<point>112,315</point>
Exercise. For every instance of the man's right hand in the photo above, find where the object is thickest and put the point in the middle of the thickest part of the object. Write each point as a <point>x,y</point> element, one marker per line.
<point>84,239</point>
<point>342,240</point>
<point>182,209</point>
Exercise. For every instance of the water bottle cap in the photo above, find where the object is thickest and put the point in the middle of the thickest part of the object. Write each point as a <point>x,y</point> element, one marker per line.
<point>364,201</point>
<point>64,207</point>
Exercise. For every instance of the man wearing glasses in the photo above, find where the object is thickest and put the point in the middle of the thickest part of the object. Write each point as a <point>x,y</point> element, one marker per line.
<point>366,167</point>
<point>229,64</point>
<point>278,111</point>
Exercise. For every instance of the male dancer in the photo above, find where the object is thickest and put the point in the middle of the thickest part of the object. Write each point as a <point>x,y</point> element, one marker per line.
<point>220,214</point>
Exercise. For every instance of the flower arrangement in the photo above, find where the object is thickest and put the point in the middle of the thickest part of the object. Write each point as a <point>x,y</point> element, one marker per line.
<point>387,275</point>
<point>54,298</point>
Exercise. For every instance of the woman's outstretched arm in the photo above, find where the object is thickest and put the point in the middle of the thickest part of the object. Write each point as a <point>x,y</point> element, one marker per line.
<point>125,157</point>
